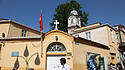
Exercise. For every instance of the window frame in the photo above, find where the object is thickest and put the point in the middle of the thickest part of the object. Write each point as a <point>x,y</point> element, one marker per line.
<point>24,33</point>
<point>88,35</point>
<point>117,37</point>
<point>112,35</point>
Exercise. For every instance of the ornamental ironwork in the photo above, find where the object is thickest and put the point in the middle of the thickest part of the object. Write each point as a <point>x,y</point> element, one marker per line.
<point>56,47</point>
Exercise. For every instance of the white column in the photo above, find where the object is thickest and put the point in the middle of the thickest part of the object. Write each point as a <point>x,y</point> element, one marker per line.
<point>105,62</point>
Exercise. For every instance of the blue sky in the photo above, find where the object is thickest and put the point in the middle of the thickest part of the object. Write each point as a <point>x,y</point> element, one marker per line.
<point>27,12</point>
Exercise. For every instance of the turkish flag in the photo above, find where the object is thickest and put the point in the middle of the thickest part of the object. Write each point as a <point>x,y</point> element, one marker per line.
<point>41,22</point>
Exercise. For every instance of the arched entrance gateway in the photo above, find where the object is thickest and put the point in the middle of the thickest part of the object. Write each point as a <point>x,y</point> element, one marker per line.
<point>55,51</point>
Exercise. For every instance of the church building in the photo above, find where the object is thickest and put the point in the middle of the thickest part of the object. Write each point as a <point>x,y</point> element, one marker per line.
<point>24,48</point>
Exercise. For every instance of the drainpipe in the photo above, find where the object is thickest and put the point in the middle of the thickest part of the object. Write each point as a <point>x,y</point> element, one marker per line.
<point>120,46</point>
<point>120,36</point>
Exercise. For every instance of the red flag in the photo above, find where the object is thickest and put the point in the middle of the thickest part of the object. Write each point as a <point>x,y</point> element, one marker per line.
<point>41,22</point>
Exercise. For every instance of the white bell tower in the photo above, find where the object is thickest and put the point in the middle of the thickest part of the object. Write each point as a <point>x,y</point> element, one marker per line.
<point>73,21</point>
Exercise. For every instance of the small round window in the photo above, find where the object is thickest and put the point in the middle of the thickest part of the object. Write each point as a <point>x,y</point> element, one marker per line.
<point>56,47</point>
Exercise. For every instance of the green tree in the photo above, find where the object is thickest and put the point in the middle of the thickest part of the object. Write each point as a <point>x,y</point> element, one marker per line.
<point>63,12</point>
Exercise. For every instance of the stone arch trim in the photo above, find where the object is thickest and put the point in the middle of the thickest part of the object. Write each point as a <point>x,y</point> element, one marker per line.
<point>60,32</point>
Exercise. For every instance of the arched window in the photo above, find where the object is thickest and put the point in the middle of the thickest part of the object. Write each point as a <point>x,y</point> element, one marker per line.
<point>56,47</point>
<point>71,20</point>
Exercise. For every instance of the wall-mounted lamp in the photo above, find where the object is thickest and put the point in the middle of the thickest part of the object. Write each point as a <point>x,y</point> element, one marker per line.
<point>56,38</point>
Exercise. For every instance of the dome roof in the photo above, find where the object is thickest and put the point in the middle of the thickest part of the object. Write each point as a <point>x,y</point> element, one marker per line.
<point>74,12</point>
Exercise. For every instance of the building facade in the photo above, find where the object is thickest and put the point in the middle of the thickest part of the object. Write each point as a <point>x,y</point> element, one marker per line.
<point>103,34</point>
<point>121,41</point>
<point>10,28</point>
<point>23,48</point>
<point>55,45</point>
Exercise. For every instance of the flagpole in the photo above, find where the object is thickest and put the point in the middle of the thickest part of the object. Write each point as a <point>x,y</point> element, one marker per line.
<point>41,28</point>
<point>41,44</point>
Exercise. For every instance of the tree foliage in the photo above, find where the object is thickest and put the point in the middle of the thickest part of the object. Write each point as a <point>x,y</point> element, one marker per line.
<point>63,12</point>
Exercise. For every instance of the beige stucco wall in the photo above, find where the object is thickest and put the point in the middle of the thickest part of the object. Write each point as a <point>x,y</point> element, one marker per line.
<point>63,38</point>
<point>80,52</point>
<point>9,68</point>
<point>93,25</point>
<point>109,37</point>
<point>32,33</point>
<point>16,31</point>
<point>113,45</point>
<point>102,35</point>
<point>4,27</point>
<point>99,35</point>
<point>77,60</point>
<point>7,61</point>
